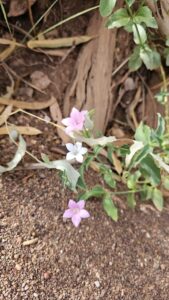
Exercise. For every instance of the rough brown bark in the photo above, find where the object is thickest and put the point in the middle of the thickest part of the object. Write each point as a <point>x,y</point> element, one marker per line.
<point>91,84</point>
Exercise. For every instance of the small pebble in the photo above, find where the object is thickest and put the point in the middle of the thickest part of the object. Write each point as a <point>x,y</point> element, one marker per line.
<point>18,267</point>
<point>97,283</point>
<point>46,275</point>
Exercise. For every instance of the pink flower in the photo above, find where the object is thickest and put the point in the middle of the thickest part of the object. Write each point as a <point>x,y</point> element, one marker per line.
<point>76,212</point>
<point>76,120</point>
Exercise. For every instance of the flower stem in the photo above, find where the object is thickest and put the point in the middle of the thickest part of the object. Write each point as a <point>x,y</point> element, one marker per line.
<point>39,118</point>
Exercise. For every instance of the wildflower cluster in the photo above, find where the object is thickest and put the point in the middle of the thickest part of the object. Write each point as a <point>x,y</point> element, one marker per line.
<point>139,165</point>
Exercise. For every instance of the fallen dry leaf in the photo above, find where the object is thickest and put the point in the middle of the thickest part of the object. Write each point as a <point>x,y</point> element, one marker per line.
<point>59,43</point>
<point>5,114</point>
<point>27,105</point>
<point>56,116</point>
<point>12,44</point>
<point>117,132</point>
<point>27,130</point>
<point>117,164</point>
<point>56,52</point>
<point>40,80</point>
<point>19,7</point>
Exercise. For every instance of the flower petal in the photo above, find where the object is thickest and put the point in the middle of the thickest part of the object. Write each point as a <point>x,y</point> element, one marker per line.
<point>78,146</point>
<point>81,204</point>
<point>70,147</point>
<point>84,213</point>
<point>69,130</point>
<point>83,150</point>
<point>76,220</point>
<point>66,121</point>
<point>70,156</point>
<point>68,213</point>
<point>79,157</point>
<point>74,112</point>
<point>72,204</point>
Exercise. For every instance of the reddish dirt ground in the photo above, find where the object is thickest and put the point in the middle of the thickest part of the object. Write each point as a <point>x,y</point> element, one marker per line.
<point>99,260</point>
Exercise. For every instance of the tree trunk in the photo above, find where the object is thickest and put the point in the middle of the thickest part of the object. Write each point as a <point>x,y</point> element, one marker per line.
<point>91,84</point>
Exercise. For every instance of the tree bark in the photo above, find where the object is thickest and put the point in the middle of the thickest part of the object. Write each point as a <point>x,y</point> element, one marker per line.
<point>90,87</point>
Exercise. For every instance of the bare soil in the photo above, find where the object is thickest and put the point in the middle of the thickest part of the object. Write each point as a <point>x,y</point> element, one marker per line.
<point>99,260</point>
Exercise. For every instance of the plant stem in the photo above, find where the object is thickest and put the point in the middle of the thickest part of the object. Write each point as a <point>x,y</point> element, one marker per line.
<point>29,153</point>
<point>39,118</point>
<point>127,192</point>
<point>135,25</point>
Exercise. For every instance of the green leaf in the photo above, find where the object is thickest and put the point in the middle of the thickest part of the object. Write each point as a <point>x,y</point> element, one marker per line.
<point>140,35</point>
<point>130,2</point>
<point>118,19</point>
<point>110,150</point>
<point>147,192</point>
<point>149,167</point>
<point>140,155</point>
<point>160,130</point>
<point>109,207</point>
<point>134,148</point>
<point>131,200</point>
<point>165,182</point>
<point>160,162</point>
<point>81,183</point>
<point>161,97</point>
<point>150,58</point>
<point>87,161</point>
<point>97,191</point>
<point>144,15</point>
<point>17,157</point>
<point>64,166</point>
<point>108,178</point>
<point>158,199</point>
<point>135,61</point>
<point>45,158</point>
<point>132,180</point>
<point>106,7</point>
<point>166,54</point>
<point>102,141</point>
<point>143,133</point>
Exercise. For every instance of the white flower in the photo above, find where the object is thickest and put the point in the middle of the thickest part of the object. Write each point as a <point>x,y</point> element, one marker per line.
<point>76,151</point>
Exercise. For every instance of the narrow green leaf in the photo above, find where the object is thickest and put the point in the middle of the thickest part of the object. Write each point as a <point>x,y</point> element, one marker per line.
<point>131,200</point>
<point>109,207</point>
<point>64,166</point>
<point>158,199</point>
<point>160,130</point>
<point>97,191</point>
<point>17,157</point>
